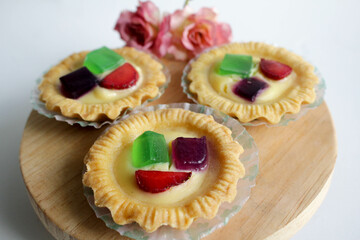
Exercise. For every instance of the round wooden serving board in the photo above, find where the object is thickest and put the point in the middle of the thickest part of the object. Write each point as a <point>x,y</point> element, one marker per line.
<point>296,165</point>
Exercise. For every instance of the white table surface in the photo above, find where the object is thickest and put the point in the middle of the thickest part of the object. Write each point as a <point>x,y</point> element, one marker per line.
<point>36,34</point>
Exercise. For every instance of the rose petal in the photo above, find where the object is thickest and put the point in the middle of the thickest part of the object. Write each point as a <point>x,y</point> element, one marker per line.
<point>140,35</point>
<point>166,41</point>
<point>178,18</point>
<point>163,39</point>
<point>124,18</point>
<point>205,13</point>
<point>185,37</point>
<point>178,53</point>
<point>149,11</point>
<point>199,36</point>
<point>223,33</point>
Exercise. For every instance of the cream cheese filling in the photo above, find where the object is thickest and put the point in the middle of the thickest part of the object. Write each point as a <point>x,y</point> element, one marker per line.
<point>104,95</point>
<point>197,184</point>
<point>276,90</point>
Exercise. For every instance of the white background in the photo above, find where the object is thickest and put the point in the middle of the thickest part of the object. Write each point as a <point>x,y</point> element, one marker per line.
<point>38,33</point>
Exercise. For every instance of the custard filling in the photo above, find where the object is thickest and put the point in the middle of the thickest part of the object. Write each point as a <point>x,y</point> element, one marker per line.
<point>104,95</point>
<point>197,184</point>
<point>223,85</point>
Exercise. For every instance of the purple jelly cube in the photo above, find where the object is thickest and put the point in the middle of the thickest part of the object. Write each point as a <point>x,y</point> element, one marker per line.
<point>190,153</point>
<point>77,83</point>
<point>249,88</point>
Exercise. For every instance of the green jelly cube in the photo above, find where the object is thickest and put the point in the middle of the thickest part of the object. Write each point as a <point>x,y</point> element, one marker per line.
<point>149,148</point>
<point>102,60</point>
<point>236,64</point>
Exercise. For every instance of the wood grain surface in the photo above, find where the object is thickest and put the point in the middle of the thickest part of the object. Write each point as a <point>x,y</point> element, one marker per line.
<point>296,165</point>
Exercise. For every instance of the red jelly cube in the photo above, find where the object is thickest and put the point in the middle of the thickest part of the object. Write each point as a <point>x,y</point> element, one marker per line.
<point>123,77</point>
<point>190,153</point>
<point>158,181</point>
<point>274,70</point>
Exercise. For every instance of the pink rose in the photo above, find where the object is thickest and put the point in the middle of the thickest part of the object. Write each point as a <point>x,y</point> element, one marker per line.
<point>139,29</point>
<point>184,34</point>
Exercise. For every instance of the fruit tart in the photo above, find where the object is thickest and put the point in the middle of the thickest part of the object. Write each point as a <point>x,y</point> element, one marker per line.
<point>100,85</point>
<point>252,81</point>
<point>164,167</point>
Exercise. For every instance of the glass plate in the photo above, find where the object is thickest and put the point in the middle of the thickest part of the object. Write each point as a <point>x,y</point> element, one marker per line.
<point>200,227</point>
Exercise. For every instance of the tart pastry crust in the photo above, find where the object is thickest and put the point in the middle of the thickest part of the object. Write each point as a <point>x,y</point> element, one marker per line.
<point>152,73</point>
<point>127,209</point>
<point>301,92</point>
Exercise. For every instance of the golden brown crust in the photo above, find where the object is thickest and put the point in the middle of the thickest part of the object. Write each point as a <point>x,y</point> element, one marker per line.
<point>125,209</point>
<point>55,101</point>
<point>302,93</point>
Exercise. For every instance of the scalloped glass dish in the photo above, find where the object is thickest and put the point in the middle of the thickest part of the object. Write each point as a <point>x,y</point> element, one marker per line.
<point>319,89</point>
<point>39,106</point>
<point>200,227</point>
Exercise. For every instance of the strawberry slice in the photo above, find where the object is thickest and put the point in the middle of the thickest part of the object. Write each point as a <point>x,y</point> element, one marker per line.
<point>123,77</point>
<point>274,70</point>
<point>158,181</point>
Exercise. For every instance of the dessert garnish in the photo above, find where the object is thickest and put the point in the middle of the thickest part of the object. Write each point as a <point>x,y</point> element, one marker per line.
<point>274,70</point>
<point>236,64</point>
<point>190,153</point>
<point>102,60</point>
<point>159,181</point>
<point>123,77</point>
<point>249,88</point>
<point>77,83</point>
<point>149,148</point>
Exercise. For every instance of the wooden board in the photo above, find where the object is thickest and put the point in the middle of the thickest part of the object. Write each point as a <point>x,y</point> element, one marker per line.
<point>296,165</point>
